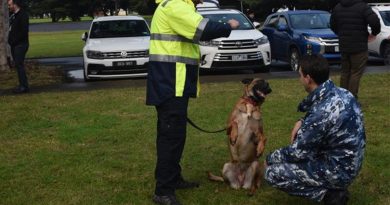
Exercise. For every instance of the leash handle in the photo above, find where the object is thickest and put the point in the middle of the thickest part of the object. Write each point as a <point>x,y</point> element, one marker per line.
<point>197,127</point>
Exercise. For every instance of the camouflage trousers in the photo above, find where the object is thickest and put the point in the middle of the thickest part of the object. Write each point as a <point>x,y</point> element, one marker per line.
<point>297,180</point>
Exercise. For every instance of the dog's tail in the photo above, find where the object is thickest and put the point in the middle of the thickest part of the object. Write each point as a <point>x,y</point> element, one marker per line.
<point>213,177</point>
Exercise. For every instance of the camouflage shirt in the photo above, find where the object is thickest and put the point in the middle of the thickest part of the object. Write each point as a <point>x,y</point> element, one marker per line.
<point>331,140</point>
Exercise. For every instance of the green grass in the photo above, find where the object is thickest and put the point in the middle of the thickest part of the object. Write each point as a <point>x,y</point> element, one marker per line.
<point>48,20</point>
<point>98,147</point>
<point>55,44</point>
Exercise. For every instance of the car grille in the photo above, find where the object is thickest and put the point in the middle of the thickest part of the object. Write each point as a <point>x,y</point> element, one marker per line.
<point>330,45</point>
<point>229,56</point>
<point>239,44</point>
<point>128,54</point>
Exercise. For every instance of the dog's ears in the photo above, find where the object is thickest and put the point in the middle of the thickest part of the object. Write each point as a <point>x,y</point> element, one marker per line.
<point>246,81</point>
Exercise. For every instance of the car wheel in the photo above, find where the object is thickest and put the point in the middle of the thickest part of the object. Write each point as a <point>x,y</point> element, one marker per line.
<point>294,57</point>
<point>86,79</point>
<point>386,54</point>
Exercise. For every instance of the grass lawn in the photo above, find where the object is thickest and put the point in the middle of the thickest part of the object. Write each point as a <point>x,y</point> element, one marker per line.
<point>55,44</point>
<point>98,147</point>
<point>48,20</point>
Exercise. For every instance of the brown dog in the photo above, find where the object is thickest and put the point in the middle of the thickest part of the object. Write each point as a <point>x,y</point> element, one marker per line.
<point>246,138</point>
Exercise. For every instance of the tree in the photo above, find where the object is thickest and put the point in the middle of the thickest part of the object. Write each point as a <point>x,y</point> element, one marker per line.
<point>3,31</point>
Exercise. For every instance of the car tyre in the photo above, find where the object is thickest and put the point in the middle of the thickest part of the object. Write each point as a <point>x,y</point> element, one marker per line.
<point>86,79</point>
<point>294,57</point>
<point>386,54</point>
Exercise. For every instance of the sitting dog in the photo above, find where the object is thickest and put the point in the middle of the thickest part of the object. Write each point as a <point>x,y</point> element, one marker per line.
<point>246,138</point>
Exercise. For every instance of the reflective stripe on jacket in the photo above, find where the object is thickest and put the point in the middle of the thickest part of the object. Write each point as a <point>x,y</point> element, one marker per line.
<point>174,53</point>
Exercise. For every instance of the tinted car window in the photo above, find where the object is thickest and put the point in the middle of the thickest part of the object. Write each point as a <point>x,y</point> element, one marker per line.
<point>282,21</point>
<point>310,21</point>
<point>120,28</point>
<point>385,17</point>
<point>245,24</point>
<point>272,22</point>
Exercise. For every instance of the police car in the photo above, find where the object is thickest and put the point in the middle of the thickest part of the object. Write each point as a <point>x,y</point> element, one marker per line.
<point>245,48</point>
<point>116,47</point>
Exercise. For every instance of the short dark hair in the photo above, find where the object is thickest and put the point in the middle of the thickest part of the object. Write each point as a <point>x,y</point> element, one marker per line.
<point>316,66</point>
<point>20,3</point>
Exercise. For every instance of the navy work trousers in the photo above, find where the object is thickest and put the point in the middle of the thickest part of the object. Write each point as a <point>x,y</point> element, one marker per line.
<point>171,136</point>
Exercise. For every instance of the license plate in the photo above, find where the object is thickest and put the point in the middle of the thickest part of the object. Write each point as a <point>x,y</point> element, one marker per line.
<point>336,49</point>
<point>239,57</point>
<point>124,63</point>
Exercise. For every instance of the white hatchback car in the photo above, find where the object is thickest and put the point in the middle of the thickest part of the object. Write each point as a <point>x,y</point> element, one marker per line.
<point>115,47</point>
<point>245,48</point>
<point>380,47</point>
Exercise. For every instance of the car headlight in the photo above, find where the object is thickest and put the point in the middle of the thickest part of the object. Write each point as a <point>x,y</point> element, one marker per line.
<point>95,54</point>
<point>210,43</point>
<point>312,39</point>
<point>262,40</point>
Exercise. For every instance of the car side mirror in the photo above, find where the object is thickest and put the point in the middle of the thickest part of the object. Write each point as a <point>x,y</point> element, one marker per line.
<point>84,36</point>
<point>282,27</point>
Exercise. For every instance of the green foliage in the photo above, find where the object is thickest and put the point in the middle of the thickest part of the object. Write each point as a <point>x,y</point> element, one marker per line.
<point>98,147</point>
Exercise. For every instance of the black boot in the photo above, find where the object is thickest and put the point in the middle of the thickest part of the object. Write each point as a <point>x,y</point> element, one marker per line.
<point>183,184</point>
<point>166,200</point>
<point>336,197</point>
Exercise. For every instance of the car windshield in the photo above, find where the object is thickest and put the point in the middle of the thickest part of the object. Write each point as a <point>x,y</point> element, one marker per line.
<point>245,24</point>
<point>385,17</point>
<point>310,21</point>
<point>119,28</point>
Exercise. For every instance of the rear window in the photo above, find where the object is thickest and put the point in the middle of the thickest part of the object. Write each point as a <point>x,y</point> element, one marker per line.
<point>119,28</point>
<point>310,21</point>
<point>245,24</point>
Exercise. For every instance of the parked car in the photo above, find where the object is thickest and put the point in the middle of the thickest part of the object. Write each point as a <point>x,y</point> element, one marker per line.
<point>115,47</point>
<point>295,33</point>
<point>245,48</point>
<point>380,47</point>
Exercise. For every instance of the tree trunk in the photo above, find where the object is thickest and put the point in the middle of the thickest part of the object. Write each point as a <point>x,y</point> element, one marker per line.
<point>4,50</point>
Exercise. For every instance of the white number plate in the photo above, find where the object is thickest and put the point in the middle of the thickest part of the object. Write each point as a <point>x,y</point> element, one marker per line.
<point>239,57</point>
<point>336,49</point>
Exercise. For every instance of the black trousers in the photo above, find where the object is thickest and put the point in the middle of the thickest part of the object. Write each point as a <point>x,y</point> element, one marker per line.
<point>352,69</point>
<point>18,53</point>
<point>171,137</point>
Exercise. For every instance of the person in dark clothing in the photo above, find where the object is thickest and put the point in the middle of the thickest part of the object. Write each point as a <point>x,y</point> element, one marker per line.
<point>251,15</point>
<point>349,20</point>
<point>173,77</point>
<point>18,41</point>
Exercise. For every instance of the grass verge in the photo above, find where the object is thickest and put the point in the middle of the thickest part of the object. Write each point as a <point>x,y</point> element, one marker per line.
<point>37,75</point>
<point>55,44</point>
<point>98,147</point>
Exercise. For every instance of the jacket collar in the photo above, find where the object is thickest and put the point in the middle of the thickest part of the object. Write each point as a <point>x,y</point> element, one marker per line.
<point>316,95</point>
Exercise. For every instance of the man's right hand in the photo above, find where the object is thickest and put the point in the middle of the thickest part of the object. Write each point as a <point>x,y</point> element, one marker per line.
<point>233,23</point>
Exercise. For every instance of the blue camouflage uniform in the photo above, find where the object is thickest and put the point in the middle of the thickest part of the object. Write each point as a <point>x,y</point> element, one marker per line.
<point>329,147</point>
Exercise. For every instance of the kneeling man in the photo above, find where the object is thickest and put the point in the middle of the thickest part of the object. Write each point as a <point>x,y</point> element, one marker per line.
<point>327,144</point>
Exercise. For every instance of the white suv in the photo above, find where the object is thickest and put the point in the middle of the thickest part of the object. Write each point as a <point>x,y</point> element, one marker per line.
<point>116,46</point>
<point>381,45</point>
<point>245,48</point>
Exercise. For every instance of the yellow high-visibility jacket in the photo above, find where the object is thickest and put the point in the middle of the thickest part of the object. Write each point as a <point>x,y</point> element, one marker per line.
<point>174,53</point>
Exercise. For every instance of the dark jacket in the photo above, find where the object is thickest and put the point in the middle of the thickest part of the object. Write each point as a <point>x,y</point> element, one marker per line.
<point>18,28</point>
<point>349,20</point>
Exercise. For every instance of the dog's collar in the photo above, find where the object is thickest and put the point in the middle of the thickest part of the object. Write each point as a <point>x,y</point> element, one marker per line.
<point>250,101</point>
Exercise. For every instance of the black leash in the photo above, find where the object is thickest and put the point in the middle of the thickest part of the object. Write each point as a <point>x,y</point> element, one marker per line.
<point>197,127</point>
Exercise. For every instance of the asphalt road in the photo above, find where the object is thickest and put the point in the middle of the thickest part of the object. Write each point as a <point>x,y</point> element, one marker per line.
<point>60,26</point>
<point>73,68</point>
